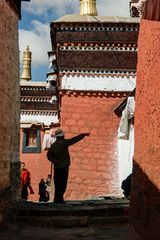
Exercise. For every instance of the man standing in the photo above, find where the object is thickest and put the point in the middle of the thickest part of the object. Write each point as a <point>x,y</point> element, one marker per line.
<point>59,155</point>
<point>25,182</point>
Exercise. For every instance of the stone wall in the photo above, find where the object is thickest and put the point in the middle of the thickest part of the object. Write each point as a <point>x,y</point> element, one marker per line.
<point>145,199</point>
<point>9,101</point>
<point>94,160</point>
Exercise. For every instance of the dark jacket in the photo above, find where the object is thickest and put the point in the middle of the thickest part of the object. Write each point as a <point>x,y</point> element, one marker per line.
<point>60,151</point>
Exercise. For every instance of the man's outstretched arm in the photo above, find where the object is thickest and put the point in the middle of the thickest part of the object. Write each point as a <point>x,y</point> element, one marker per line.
<point>76,139</point>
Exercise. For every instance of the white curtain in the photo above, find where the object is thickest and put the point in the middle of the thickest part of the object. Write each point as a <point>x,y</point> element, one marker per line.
<point>48,140</point>
<point>127,114</point>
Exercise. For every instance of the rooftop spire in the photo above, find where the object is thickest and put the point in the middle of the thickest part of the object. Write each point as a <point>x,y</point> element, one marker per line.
<point>26,67</point>
<point>88,7</point>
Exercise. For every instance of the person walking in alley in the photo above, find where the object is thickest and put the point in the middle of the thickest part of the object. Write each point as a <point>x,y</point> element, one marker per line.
<point>25,182</point>
<point>43,194</point>
<point>59,155</point>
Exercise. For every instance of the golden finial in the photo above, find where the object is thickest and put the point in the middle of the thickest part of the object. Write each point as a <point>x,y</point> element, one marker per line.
<point>26,67</point>
<point>88,7</point>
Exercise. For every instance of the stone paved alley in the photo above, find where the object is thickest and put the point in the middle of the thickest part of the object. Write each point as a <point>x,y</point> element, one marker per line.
<point>87,220</point>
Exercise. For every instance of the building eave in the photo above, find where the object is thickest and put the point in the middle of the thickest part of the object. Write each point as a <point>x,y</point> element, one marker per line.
<point>71,18</point>
<point>32,84</point>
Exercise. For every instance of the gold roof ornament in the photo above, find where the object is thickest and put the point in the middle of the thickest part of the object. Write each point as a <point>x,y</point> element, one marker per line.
<point>88,7</point>
<point>26,66</point>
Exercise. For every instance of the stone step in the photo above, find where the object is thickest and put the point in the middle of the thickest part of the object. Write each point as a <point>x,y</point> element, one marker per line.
<point>84,220</point>
<point>76,211</point>
<point>72,214</point>
<point>69,221</point>
<point>123,232</point>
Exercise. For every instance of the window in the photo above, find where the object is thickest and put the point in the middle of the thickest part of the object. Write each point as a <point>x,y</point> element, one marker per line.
<point>31,137</point>
<point>31,140</point>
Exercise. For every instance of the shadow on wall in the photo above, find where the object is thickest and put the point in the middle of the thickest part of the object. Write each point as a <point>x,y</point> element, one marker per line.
<point>145,205</point>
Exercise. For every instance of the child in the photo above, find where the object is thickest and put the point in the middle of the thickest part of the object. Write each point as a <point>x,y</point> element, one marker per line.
<point>42,191</point>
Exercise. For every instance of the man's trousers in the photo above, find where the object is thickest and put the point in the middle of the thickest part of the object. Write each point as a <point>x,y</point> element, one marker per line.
<point>60,183</point>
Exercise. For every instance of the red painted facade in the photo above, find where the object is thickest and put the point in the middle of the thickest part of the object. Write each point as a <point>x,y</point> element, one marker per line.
<point>92,48</point>
<point>35,106</point>
<point>86,49</point>
<point>37,164</point>
<point>145,200</point>
<point>94,165</point>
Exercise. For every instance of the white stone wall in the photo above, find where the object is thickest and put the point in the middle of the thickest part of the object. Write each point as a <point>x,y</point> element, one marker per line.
<point>98,83</point>
<point>125,155</point>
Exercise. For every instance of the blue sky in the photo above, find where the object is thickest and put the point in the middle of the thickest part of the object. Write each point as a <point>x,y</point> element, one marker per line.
<point>34,27</point>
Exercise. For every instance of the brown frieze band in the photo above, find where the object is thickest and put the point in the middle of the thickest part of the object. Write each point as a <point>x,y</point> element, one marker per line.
<point>93,93</point>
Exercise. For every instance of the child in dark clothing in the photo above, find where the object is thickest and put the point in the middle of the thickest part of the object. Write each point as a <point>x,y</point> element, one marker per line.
<point>42,191</point>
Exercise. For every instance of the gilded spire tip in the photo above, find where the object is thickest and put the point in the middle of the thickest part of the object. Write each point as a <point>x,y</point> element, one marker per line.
<point>88,7</point>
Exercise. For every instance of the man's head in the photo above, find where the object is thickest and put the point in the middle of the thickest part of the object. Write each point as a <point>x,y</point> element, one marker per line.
<point>59,133</point>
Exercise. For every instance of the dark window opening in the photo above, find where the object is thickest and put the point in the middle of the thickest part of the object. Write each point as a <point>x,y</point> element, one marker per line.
<point>31,137</point>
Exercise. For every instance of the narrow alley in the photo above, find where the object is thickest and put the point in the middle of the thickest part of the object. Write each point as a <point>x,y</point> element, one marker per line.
<point>87,220</point>
<point>90,71</point>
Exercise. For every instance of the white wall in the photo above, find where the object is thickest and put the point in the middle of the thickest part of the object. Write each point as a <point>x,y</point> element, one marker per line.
<point>98,83</point>
<point>125,155</point>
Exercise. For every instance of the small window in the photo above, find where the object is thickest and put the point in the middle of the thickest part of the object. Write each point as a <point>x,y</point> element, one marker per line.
<point>31,140</point>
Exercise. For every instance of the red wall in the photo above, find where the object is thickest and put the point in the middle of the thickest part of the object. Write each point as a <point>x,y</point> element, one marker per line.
<point>94,160</point>
<point>94,164</point>
<point>38,166</point>
<point>145,199</point>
